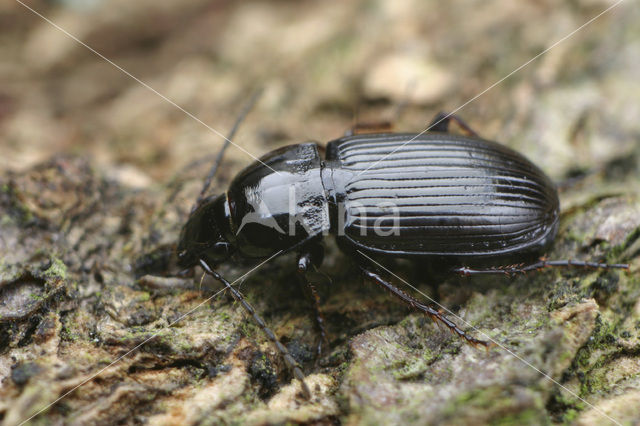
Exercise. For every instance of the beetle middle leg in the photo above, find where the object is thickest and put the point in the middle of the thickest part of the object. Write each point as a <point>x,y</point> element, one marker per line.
<point>306,262</point>
<point>418,306</point>
<point>291,363</point>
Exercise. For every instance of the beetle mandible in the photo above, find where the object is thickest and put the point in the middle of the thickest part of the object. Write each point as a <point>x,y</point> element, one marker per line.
<point>430,195</point>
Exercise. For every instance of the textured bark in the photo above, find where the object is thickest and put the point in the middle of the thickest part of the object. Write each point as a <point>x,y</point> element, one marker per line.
<point>98,174</point>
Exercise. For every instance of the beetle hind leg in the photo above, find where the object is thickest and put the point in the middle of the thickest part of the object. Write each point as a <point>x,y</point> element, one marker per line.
<point>538,266</point>
<point>441,121</point>
<point>432,313</point>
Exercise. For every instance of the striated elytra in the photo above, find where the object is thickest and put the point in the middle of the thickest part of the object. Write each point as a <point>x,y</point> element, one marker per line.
<point>395,195</point>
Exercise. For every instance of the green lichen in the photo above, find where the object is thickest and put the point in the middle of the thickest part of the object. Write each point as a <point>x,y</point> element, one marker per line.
<point>56,271</point>
<point>36,296</point>
<point>570,415</point>
<point>17,208</point>
<point>184,346</point>
<point>525,417</point>
<point>411,369</point>
<point>143,297</point>
<point>68,335</point>
<point>250,330</point>
<point>587,362</point>
<point>494,400</point>
<point>6,220</point>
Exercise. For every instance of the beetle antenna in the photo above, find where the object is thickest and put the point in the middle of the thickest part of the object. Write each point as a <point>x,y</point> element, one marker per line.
<point>212,172</point>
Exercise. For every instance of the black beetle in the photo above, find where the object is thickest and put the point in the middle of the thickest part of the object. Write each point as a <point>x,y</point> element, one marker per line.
<point>398,195</point>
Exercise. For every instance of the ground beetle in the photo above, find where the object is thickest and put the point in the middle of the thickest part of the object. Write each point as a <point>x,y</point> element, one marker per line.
<point>398,195</point>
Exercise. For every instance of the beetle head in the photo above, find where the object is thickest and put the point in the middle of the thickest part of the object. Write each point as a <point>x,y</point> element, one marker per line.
<point>202,237</point>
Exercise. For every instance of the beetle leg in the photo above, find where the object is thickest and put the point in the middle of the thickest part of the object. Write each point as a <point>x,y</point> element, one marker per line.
<point>537,266</point>
<point>441,122</point>
<point>427,310</point>
<point>304,264</point>
<point>288,359</point>
<point>380,126</point>
<point>370,127</point>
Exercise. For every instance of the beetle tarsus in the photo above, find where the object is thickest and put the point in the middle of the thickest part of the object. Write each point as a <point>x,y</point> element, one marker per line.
<point>291,363</point>
<point>436,316</point>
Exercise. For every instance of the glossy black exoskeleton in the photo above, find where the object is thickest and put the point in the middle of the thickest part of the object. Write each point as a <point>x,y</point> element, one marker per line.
<point>437,195</point>
<point>425,196</point>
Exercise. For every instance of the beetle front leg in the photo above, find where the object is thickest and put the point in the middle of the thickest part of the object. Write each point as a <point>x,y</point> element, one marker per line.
<point>306,262</point>
<point>427,310</point>
<point>292,365</point>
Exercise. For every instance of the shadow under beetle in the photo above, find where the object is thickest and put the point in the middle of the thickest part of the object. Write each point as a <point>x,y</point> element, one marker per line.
<point>397,195</point>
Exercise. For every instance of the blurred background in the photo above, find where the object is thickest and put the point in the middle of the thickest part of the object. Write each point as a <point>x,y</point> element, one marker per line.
<point>90,157</point>
<point>323,66</point>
